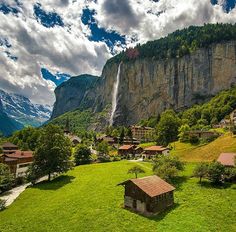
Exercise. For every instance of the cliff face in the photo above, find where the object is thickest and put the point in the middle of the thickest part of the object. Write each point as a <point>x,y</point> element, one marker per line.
<point>72,94</point>
<point>148,87</point>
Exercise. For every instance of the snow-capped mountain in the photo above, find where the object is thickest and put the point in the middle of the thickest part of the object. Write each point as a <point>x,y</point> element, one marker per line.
<point>23,110</point>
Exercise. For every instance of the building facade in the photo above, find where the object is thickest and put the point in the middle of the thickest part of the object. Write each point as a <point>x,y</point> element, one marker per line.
<point>142,133</point>
<point>148,195</point>
<point>153,151</point>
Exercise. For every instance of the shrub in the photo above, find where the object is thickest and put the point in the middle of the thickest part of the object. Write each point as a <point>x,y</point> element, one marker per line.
<point>193,139</point>
<point>216,172</point>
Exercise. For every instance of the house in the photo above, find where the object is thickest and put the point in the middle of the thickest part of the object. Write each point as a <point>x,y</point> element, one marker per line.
<point>202,134</point>
<point>128,140</point>
<point>75,140</point>
<point>129,151</point>
<point>148,195</point>
<point>143,133</point>
<point>18,161</point>
<point>227,159</point>
<point>153,151</point>
<point>109,139</point>
<point>9,148</point>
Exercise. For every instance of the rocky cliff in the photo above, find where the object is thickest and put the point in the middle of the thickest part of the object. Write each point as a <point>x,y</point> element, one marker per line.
<point>73,94</point>
<point>149,86</point>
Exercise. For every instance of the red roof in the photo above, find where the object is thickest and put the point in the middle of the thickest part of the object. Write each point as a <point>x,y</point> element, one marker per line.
<point>126,147</point>
<point>152,185</point>
<point>156,148</point>
<point>227,159</point>
<point>20,154</point>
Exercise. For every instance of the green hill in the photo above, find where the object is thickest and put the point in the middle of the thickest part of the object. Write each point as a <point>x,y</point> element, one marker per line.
<point>88,199</point>
<point>208,152</point>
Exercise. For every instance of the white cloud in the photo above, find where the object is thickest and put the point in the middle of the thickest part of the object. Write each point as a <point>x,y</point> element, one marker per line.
<point>68,49</point>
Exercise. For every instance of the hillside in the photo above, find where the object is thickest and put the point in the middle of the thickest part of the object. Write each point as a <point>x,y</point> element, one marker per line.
<point>21,109</point>
<point>187,67</point>
<point>88,199</point>
<point>208,152</point>
<point>8,125</point>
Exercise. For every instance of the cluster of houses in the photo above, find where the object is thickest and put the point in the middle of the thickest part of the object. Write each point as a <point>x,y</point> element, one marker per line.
<point>134,152</point>
<point>17,160</point>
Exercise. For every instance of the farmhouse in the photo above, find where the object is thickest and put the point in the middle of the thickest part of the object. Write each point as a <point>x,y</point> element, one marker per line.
<point>153,151</point>
<point>17,160</point>
<point>9,148</point>
<point>202,134</point>
<point>227,159</point>
<point>129,151</point>
<point>143,133</point>
<point>148,195</point>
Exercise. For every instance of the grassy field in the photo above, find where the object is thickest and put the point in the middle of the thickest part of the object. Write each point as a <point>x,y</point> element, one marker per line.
<point>88,199</point>
<point>208,152</point>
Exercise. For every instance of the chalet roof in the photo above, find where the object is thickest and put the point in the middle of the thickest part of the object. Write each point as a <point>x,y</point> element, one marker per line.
<point>126,147</point>
<point>155,148</point>
<point>227,159</point>
<point>20,154</point>
<point>152,185</point>
<point>9,145</point>
<point>142,127</point>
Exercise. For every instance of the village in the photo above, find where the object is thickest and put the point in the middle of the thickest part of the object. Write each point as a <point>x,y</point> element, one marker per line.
<point>147,195</point>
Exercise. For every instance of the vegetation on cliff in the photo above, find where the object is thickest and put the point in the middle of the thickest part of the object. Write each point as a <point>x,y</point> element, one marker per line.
<point>179,43</point>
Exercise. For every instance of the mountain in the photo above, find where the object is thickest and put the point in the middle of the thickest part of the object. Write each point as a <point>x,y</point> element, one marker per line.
<point>72,94</point>
<point>22,110</point>
<point>185,68</point>
<point>8,125</point>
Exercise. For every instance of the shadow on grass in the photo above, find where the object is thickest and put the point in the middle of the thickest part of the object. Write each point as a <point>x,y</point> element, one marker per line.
<point>207,184</point>
<point>55,184</point>
<point>163,214</point>
<point>178,181</point>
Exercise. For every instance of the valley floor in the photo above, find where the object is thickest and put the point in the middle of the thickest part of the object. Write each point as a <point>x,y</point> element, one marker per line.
<point>88,199</point>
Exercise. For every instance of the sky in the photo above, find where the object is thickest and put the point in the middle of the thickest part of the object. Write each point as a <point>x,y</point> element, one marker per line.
<point>45,42</point>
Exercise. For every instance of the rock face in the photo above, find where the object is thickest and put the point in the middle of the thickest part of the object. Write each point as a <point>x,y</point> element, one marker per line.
<point>148,87</point>
<point>73,94</point>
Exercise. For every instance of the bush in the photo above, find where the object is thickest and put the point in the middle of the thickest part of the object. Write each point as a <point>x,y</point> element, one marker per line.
<point>193,139</point>
<point>6,178</point>
<point>167,167</point>
<point>216,172</point>
<point>230,174</point>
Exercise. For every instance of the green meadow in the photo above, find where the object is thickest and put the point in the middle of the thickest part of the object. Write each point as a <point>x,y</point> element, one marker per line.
<point>88,199</point>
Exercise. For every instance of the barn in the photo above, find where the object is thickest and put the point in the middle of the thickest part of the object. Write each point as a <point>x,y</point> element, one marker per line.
<point>148,195</point>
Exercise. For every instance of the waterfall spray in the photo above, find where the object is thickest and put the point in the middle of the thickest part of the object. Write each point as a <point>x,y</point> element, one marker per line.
<point>115,95</point>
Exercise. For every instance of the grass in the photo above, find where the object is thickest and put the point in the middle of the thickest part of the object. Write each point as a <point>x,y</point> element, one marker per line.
<point>88,199</point>
<point>207,152</point>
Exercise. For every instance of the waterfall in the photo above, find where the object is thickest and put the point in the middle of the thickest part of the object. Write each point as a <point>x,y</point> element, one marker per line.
<point>115,95</point>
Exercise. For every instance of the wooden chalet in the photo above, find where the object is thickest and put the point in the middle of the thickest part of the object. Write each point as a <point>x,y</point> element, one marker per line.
<point>129,151</point>
<point>153,151</point>
<point>9,148</point>
<point>148,195</point>
<point>227,159</point>
<point>18,161</point>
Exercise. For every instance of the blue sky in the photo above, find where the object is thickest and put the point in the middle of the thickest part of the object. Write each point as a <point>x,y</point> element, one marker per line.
<point>43,43</point>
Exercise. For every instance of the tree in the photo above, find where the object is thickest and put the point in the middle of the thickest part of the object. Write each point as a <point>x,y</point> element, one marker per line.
<point>6,178</point>
<point>130,134</point>
<point>201,171</point>
<point>53,153</point>
<point>122,135</point>
<point>216,172</point>
<point>136,170</point>
<point>167,128</point>
<point>103,148</point>
<point>167,167</point>
<point>183,136</point>
<point>82,155</point>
